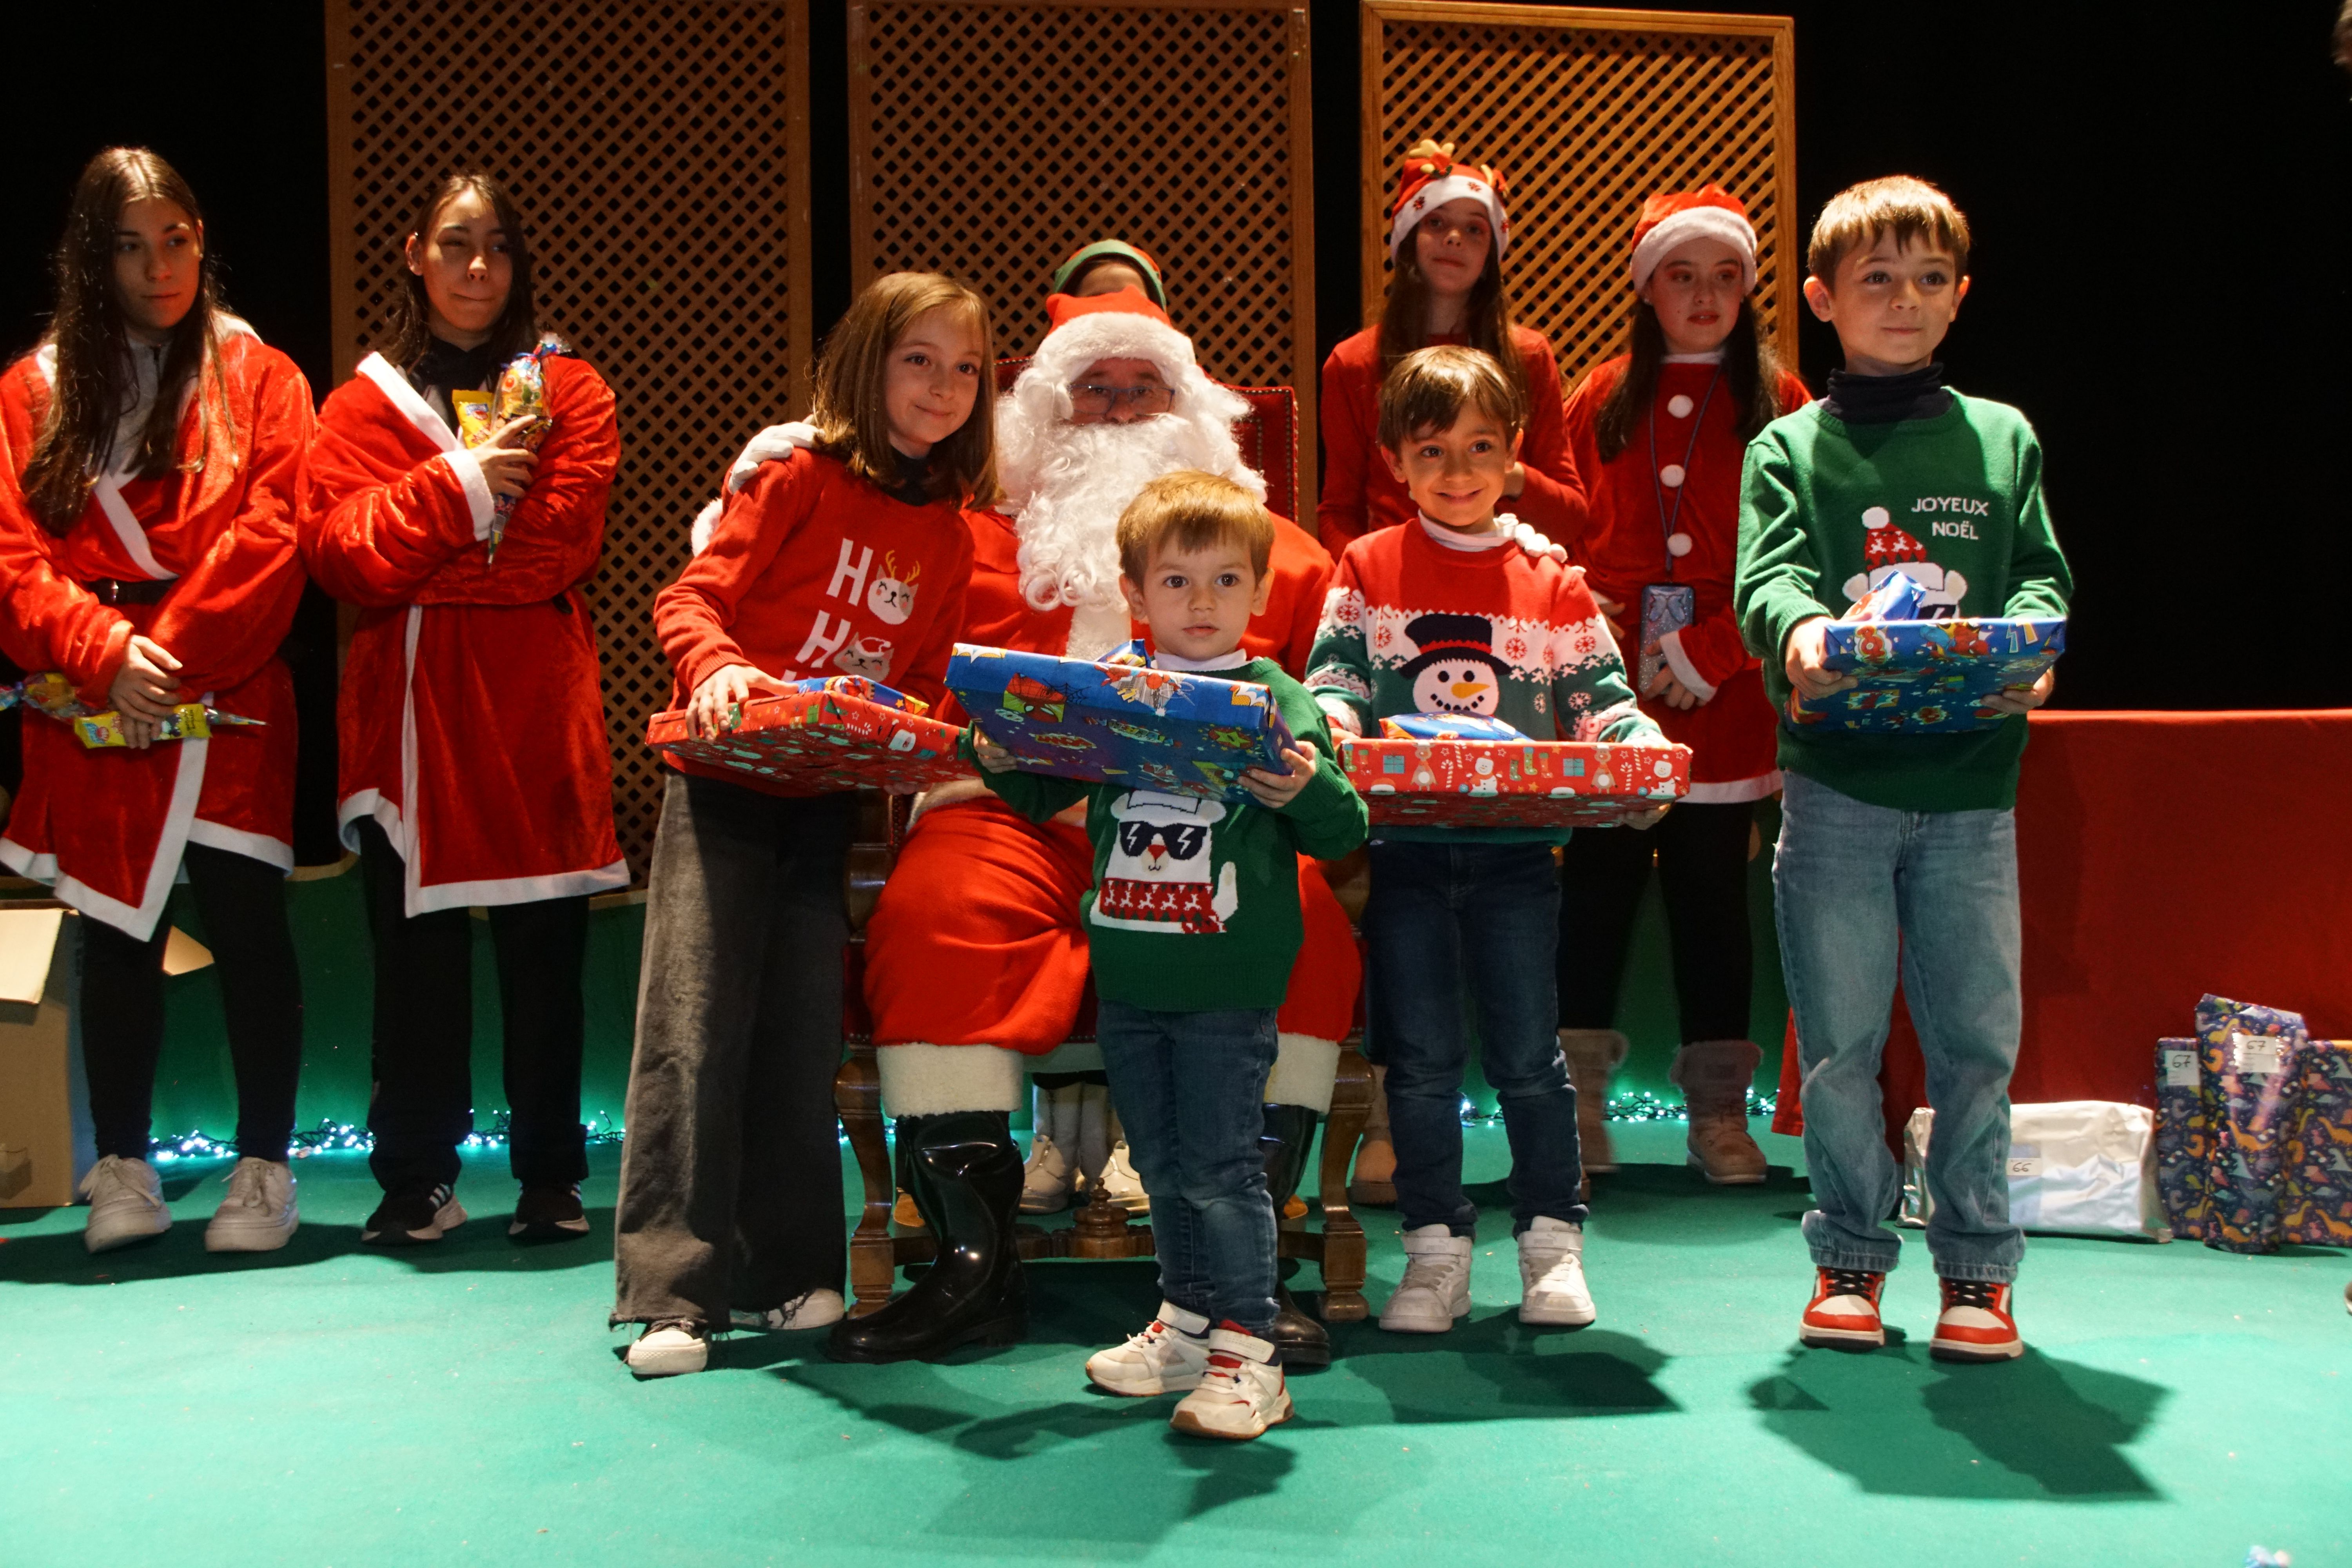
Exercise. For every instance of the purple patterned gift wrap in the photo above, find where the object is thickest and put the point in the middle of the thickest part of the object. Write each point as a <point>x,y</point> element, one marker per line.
<point>2184,1129</point>
<point>2256,1057</point>
<point>2316,1209</point>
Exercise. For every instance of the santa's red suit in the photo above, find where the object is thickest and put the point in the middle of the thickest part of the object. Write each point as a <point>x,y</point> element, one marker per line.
<point>109,825</point>
<point>976,939</point>
<point>1696,421</point>
<point>471,716</point>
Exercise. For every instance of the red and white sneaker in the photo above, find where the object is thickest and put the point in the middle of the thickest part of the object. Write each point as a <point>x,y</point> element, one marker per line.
<point>1975,1324</point>
<point>1241,1392</point>
<point>1168,1357</point>
<point>1844,1313</point>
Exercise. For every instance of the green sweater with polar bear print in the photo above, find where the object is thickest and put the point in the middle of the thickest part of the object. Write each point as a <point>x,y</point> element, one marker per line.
<point>1222,876</point>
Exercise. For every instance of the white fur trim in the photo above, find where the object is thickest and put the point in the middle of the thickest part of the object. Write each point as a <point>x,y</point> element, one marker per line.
<point>1733,790</point>
<point>698,532</point>
<point>372,805</point>
<point>479,502</point>
<point>1304,1067</point>
<point>107,492</point>
<point>25,864</point>
<point>931,1080</point>
<point>411,406</point>
<point>519,889</point>
<point>238,841</point>
<point>1339,713</point>
<point>1671,645</point>
<point>1437,194</point>
<point>138,923</point>
<point>1697,223</point>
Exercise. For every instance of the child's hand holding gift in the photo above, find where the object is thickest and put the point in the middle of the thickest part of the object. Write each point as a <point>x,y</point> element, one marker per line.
<point>506,457</point>
<point>2024,698</point>
<point>721,690</point>
<point>1803,663</point>
<point>1273,791</point>
<point>992,757</point>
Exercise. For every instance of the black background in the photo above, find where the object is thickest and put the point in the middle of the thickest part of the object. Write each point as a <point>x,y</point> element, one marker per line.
<point>2160,196</point>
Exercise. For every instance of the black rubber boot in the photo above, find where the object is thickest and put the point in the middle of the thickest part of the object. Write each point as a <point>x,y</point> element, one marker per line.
<point>1289,1133</point>
<point>967,1173</point>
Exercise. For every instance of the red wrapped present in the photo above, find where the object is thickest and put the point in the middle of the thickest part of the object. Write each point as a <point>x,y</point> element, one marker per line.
<point>810,743</point>
<point>1511,784</point>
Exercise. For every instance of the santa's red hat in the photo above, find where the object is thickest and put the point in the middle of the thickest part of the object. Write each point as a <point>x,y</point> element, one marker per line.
<point>1430,178</point>
<point>1675,217</point>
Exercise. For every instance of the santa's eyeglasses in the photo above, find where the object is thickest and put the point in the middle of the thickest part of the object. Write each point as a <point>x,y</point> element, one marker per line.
<point>1091,399</point>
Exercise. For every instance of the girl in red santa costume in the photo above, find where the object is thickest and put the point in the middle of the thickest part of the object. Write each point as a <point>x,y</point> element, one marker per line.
<point>851,557</point>
<point>473,761</point>
<point>1447,236</point>
<point>1658,432</point>
<point>153,454</point>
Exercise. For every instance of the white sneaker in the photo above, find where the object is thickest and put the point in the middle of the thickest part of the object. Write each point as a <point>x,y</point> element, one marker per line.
<point>1166,1358</point>
<point>668,1349</point>
<point>1436,1289</point>
<point>1551,1275</point>
<point>1121,1184</point>
<point>1241,1392</point>
<point>814,1310</point>
<point>1047,1179</point>
<point>259,1213</point>
<point>126,1204</point>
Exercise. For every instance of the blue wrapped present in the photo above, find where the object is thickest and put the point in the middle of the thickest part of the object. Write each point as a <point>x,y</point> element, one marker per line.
<point>1927,677</point>
<point>1121,721</point>
<point>1447,727</point>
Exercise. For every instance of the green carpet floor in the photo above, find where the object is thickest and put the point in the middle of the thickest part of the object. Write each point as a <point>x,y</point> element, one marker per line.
<point>462,1404</point>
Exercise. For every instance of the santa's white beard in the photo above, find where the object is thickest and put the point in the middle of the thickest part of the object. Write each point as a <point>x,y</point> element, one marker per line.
<point>1067,484</point>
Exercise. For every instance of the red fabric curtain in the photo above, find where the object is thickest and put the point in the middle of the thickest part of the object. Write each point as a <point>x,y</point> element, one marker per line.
<point>2162,856</point>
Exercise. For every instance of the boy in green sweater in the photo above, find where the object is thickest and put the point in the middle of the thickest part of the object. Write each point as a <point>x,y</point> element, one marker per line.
<point>1892,843</point>
<point>1193,923</point>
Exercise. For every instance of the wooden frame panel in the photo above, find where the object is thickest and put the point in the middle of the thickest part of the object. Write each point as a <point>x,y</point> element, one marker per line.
<point>662,155</point>
<point>1587,113</point>
<point>989,140</point>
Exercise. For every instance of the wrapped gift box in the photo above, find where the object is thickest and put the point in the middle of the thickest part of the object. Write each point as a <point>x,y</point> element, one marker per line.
<point>2316,1205</point>
<point>2184,1130</point>
<point>1927,677</point>
<point>1120,722</point>
<point>1666,607</point>
<point>822,736</point>
<point>1511,784</point>
<point>2253,1058</point>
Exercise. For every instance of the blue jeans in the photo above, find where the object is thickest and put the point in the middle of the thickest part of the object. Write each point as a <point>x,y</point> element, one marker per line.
<point>1485,916</point>
<point>1854,887</point>
<point>1190,1090</point>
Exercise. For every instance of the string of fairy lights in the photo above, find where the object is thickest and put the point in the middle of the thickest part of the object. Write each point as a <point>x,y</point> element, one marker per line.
<point>333,1137</point>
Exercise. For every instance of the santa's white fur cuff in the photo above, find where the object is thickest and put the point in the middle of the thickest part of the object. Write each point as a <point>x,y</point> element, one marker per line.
<point>931,1080</point>
<point>1303,1071</point>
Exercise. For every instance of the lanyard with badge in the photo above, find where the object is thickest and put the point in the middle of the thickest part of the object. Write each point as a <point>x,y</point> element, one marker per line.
<point>1669,606</point>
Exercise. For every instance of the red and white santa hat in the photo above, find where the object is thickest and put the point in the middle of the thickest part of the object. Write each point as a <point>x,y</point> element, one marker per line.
<point>1430,178</point>
<point>1121,324</point>
<point>1887,543</point>
<point>1675,217</point>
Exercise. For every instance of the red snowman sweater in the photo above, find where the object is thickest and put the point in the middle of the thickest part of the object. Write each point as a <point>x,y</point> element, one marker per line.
<point>471,717</point>
<point>1360,495</point>
<point>811,572</point>
<point>1731,731</point>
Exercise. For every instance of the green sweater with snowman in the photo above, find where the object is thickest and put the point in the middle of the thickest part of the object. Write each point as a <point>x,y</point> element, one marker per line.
<point>1828,510</point>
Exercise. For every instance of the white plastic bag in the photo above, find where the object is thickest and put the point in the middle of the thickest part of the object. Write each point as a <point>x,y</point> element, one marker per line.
<point>2078,1167</point>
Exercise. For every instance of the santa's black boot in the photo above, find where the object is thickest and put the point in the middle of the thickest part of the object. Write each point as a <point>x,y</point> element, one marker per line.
<point>967,1173</point>
<point>1289,1134</point>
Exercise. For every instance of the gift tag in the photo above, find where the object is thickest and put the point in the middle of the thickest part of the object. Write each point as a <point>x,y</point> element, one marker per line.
<point>2255,1054</point>
<point>2180,1070</point>
<point>2024,1160</point>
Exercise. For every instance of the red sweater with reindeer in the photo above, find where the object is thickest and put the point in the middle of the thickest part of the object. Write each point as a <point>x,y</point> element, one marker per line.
<point>813,571</point>
<point>1731,731</point>
<point>109,825</point>
<point>471,717</point>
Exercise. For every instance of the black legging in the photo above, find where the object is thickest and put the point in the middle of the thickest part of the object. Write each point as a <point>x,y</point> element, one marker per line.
<point>1701,852</point>
<point>243,902</point>
<point>423,1107</point>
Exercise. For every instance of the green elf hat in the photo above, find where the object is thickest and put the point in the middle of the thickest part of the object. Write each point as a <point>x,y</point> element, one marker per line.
<point>1084,256</point>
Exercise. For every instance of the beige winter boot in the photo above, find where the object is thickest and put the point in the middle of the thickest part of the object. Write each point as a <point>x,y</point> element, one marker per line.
<point>1593,1058</point>
<point>1714,1076</point>
<point>1372,1184</point>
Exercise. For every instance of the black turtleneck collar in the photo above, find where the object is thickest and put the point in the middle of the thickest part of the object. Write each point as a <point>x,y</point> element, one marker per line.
<point>444,368</point>
<point>1885,399</point>
<point>911,482</point>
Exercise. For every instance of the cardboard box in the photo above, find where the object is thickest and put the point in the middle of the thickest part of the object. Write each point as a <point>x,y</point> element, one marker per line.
<point>1927,677</point>
<point>808,742</point>
<point>46,1144</point>
<point>1176,731</point>
<point>1511,784</point>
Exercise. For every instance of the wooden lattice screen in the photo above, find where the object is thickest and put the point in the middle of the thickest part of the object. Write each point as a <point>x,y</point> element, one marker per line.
<point>661,154</point>
<point>989,140</point>
<point>1587,113</point>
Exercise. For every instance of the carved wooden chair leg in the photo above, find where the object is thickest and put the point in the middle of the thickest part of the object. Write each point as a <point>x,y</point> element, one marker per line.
<point>873,1262</point>
<point>1343,1234</point>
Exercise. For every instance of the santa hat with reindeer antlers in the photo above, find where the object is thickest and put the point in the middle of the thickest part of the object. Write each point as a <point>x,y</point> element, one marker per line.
<point>1430,178</point>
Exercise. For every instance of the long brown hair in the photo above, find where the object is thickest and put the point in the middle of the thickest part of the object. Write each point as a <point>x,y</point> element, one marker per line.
<point>1751,374</point>
<point>1404,320</point>
<point>93,387</point>
<point>517,328</point>
<point>853,423</point>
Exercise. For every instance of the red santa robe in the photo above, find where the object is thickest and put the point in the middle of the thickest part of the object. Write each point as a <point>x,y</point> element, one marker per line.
<point>1361,494</point>
<point>1731,731</point>
<point>109,825</point>
<point>976,939</point>
<point>471,718</point>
